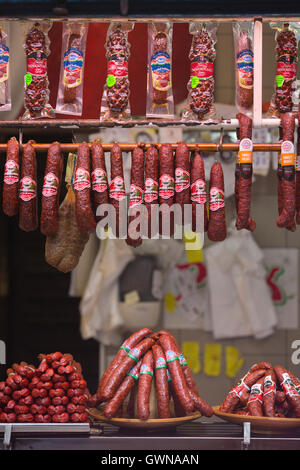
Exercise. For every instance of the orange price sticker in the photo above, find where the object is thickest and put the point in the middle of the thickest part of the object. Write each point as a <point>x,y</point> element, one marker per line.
<point>245,151</point>
<point>287,153</point>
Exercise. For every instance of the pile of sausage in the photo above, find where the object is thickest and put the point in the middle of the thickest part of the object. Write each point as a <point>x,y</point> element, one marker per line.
<point>54,392</point>
<point>145,357</point>
<point>265,391</point>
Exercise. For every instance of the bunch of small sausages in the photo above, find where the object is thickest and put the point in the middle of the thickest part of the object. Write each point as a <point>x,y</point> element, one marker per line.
<point>54,392</point>
<point>157,177</point>
<point>145,357</point>
<point>265,391</point>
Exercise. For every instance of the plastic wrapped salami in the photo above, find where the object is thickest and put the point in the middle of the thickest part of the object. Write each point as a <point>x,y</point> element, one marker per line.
<point>70,91</point>
<point>286,69</point>
<point>36,78</point>
<point>243,41</point>
<point>160,102</point>
<point>5,98</point>
<point>115,98</point>
<point>201,84</point>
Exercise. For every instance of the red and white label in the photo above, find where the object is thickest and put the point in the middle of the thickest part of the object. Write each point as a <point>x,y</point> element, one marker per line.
<point>287,153</point>
<point>117,188</point>
<point>245,151</point>
<point>151,190</point>
<point>37,63</point>
<point>27,188</point>
<point>202,70</point>
<point>182,180</point>
<point>288,386</point>
<point>198,191</point>
<point>166,186</point>
<point>269,385</point>
<point>256,393</point>
<point>99,180</point>
<point>82,179</point>
<point>240,388</point>
<point>288,71</point>
<point>216,199</point>
<point>136,195</point>
<point>118,67</point>
<point>11,172</point>
<point>50,186</point>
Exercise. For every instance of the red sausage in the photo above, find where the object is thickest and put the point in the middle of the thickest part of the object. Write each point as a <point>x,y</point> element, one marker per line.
<point>161,382</point>
<point>242,386</point>
<point>131,402</point>
<point>269,393</point>
<point>28,220</point>
<point>151,185</point>
<point>182,177</point>
<point>256,398</point>
<point>117,186</point>
<point>217,222</point>
<point>136,196</point>
<point>198,189</point>
<point>51,190</point>
<point>144,386</point>
<point>11,178</point>
<point>82,187</point>
<point>298,174</point>
<point>287,385</point>
<point>166,187</point>
<point>99,178</point>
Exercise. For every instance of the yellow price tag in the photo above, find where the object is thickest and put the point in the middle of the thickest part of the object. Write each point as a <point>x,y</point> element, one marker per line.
<point>170,302</point>
<point>234,361</point>
<point>193,247</point>
<point>190,350</point>
<point>212,359</point>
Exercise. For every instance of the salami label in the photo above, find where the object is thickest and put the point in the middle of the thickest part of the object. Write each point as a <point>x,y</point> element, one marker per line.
<point>117,188</point>
<point>73,66</point>
<point>11,172</point>
<point>297,163</point>
<point>198,191</point>
<point>136,195</point>
<point>269,385</point>
<point>4,60</point>
<point>161,71</point>
<point>99,180</point>
<point>160,363</point>
<point>27,188</point>
<point>244,65</point>
<point>134,373</point>
<point>203,70</point>
<point>117,66</point>
<point>288,386</point>
<point>182,360</point>
<point>146,370</point>
<point>151,190</point>
<point>169,376</point>
<point>239,389</point>
<point>286,69</point>
<point>171,356</point>
<point>134,353</point>
<point>287,153</point>
<point>166,186</point>
<point>125,347</point>
<point>245,151</point>
<point>182,180</point>
<point>50,186</point>
<point>256,393</point>
<point>37,63</point>
<point>216,199</point>
<point>82,179</point>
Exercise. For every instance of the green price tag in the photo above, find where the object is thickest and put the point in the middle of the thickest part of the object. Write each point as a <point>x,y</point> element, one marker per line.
<point>279,80</point>
<point>110,81</point>
<point>194,81</point>
<point>28,78</point>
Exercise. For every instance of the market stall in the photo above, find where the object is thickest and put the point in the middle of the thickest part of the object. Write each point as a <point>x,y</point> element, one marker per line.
<point>148,185</point>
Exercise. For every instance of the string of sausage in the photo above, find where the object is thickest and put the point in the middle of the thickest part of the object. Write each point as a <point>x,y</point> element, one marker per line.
<point>287,214</point>
<point>243,176</point>
<point>99,179</point>
<point>117,187</point>
<point>298,174</point>
<point>254,404</point>
<point>198,190</point>
<point>161,382</point>
<point>166,185</point>
<point>217,222</point>
<point>136,197</point>
<point>82,188</point>
<point>10,201</point>
<point>286,383</point>
<point>144,386</point>
<point>182,177</point>
<point>151,185</point>
<point>28,219</point>
<point>269,393</point>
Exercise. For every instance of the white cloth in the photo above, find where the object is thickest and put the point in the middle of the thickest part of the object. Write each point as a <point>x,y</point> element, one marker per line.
<point>99,307</point>
<point>80,275</point>
<point>240,300</point>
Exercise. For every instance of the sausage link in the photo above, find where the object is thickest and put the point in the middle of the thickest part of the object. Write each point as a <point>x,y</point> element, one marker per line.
<point>28,220</point>
<point>198,190</point>
<point>144,386</point>
<point>254,405</point>
<point>51,190</point>
<point>297,202</point>
<point>82,188</point>
<point>131,402</point>
<point>178,379</point>
<point>10,202</point>
<point>136,196</point>
<point>151,184</point>
<point>117,400</point>
<point>161,382</point>
<point>269,393</point>
<point>182,176</point>
<point>287,385</point>
<point>117,186</point>
<point>217,222</point>
<point>243,385</point>
<point>99,179</point>
<point>166,185</point>
<point>260,365</point>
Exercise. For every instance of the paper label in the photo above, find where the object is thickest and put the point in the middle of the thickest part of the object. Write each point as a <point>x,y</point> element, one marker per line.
<point>288,386</point>
<point>134,353</point>
<point>117,188</point>
<point>81,179</point>
<point>182,360</point>
<point>134,373</point>
<point>166,186</point>
<point>11,172</point>
<point>50,186</point>
<point>171,356</point>
<point>99,180</point>
<point>287,153</point>
<point>202,70</point>
<point>161,71</point>
<point>160,363</point>
<point>244,65</point>
<point>117,66</point>
<point>216,199</point>
<point>286,69</point>
<point>37,63</point>
<point>27,189</point>
<point>269,385</point>
<point>125,347</point>
<point>73,66</point>
<point>198,191</point>
<point>256,393</point>
<point>182,180</point>
<point>136,195</point>
<point>4,60</point>
<point>146,370</point>
<point>245,151</point>
<point>151,190</point>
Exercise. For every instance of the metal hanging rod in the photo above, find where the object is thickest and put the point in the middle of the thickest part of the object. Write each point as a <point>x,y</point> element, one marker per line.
<point>128,147</point>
